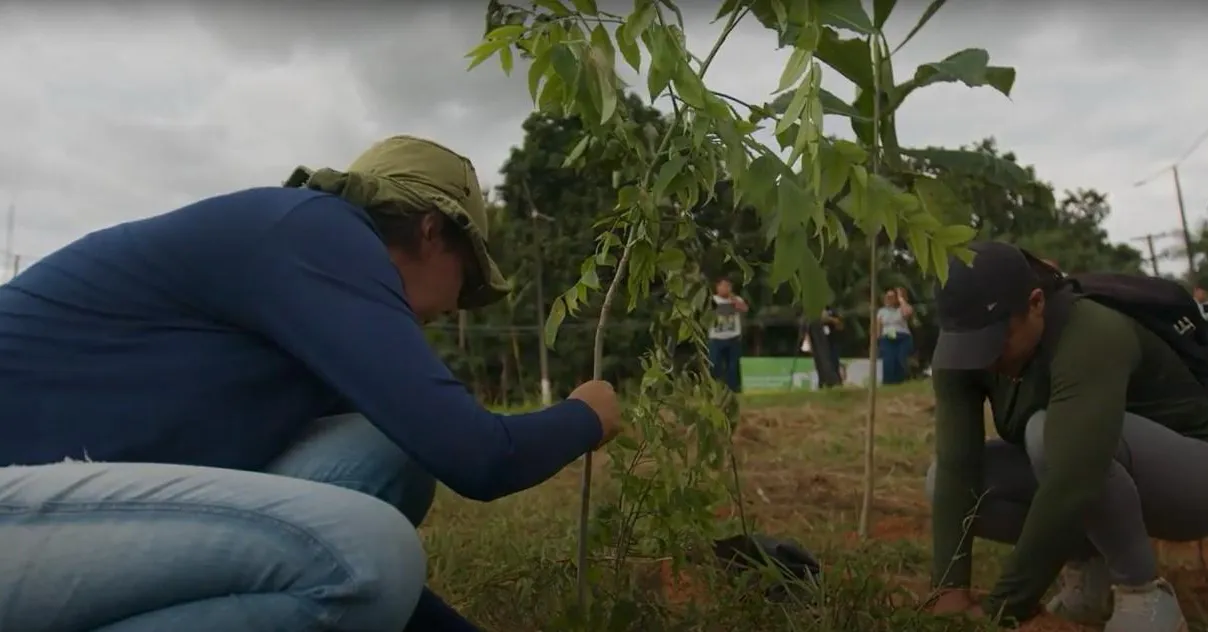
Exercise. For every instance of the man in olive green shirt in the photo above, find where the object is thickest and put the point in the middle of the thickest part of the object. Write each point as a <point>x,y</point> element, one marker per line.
<point>1102,445</point>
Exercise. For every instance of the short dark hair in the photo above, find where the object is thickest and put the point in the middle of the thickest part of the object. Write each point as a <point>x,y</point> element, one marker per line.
<point>403,230</point>
<point>1049,278</point>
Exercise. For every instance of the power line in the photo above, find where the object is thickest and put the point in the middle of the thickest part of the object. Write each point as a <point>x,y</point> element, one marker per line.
<point>1174,165</point>
<point>1194,146</point>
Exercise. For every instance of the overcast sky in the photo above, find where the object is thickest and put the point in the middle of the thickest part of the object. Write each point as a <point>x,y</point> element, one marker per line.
<point>123,110</point>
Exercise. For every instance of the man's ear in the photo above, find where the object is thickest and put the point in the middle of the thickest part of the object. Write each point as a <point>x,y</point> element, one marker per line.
<point>1036,299</point>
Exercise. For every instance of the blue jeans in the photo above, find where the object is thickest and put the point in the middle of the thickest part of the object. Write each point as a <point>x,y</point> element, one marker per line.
<point>323,540</point>
<point>725,356</point>
<point>895,358</point>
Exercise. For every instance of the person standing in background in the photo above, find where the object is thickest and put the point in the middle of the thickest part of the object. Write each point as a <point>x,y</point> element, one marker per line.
<point>1201,299</point>
<point>894,342</point>
<point>832,324</point>
<point>725,335</point>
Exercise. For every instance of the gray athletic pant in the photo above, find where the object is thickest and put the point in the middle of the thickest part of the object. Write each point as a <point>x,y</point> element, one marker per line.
<point>1156,487</point>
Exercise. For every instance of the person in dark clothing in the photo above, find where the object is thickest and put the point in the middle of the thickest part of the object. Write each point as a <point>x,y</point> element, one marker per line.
<point>821,335</point>
<point>1104,444</point>
<point>227,417</point>
<point>832,323</point>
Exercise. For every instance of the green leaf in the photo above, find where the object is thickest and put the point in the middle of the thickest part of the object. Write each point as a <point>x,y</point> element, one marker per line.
<point>644,14</point>
<point>553,6</point>
<point>831,104</point>
<point>835,170</point>
<point>577,152</point>
<point>928,13</point>
<point>846,14</point>
<point>557,314</point>
<point>949,236</point>
<point>565,64</point>
<point>536,72</point>
<point>979,164</point>
<point>759,181</point>
<point>664,63</point>
<point>601,43</point>
<point>727,7</point>
<point>1001,78</point>
<point>670,169</point>
<point>689,86</point>
<point>851,152</point>
<point>588,277</point>
<point>881,9</point>
<point>920,246</point>
<point>505,60</point>
<point>851,57</point>
<point>483,51</point>
<point>939,258</point>
<point>796,66</point>
<point>608,92</point>
<point>792,202</point>
<point>940,203</point>
<point>672,259</point>
<point>793,112</point>
<point>816,292</point>
<point>629,48</point>
<point>587,7</point>
<point>969,66</point>
<point>506,32</point>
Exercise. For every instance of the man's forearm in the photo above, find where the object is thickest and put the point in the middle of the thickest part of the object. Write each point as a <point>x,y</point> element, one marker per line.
<point>955,500</point>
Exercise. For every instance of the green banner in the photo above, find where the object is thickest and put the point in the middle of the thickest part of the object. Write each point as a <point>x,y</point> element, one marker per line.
<point>778,374</point>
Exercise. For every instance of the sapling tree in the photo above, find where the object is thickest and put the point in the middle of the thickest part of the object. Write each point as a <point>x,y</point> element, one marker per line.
<point>670,470</point>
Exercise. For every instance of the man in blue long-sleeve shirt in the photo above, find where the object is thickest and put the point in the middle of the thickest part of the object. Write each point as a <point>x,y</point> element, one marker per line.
<point>201,413</point>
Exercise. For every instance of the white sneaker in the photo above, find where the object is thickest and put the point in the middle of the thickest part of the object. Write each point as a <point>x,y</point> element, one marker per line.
<point>1149,608</point>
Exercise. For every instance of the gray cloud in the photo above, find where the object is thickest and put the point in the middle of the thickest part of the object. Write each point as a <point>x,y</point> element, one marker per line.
<point>129,109</point>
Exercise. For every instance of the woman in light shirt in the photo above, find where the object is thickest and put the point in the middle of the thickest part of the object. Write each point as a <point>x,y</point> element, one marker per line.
<point>894,342</point>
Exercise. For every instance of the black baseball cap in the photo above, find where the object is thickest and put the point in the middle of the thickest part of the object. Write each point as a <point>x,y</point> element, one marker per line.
<point>975,306</point>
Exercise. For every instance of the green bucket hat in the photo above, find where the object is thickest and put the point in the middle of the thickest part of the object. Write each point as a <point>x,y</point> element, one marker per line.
<point>407,174</point>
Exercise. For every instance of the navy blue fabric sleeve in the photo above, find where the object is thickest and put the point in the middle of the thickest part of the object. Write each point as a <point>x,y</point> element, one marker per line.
<point>322,287</point>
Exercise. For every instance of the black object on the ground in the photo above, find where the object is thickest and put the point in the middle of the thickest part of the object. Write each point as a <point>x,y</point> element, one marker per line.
<point>432,614</point>
<point>798,567</point>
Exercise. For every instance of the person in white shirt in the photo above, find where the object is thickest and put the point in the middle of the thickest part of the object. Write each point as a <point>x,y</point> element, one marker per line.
<point>725,335</point>
<point>894,342</point>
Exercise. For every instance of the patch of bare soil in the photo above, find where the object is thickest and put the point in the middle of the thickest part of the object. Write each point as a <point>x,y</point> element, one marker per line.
<point>784,489</point>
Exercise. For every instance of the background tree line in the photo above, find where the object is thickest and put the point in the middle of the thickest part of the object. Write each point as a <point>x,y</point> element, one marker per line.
<point>542,227</point>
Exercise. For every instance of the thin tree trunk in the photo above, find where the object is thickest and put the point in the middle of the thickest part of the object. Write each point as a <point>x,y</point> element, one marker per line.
<point>870,424</point>
<point>870,427</point>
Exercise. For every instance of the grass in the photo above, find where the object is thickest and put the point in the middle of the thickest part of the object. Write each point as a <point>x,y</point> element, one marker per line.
<point>509,565</point>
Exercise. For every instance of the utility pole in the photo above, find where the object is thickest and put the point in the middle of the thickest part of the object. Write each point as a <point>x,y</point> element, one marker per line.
<point>547,396</point>
<point>1178,191</point>
<point>1153,253</point>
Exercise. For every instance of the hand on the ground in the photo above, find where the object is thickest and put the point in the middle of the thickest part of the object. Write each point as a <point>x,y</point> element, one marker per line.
<point>956,601</point>
<point>602,399</point>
